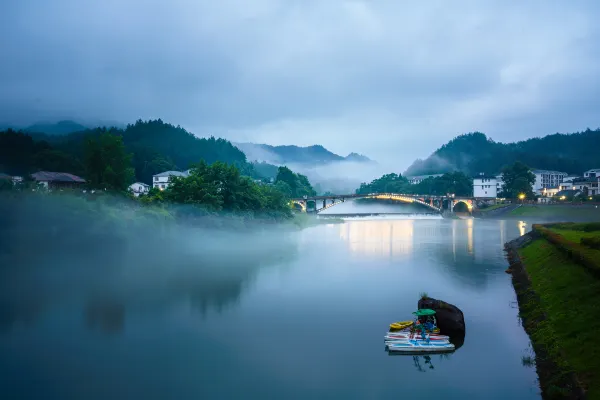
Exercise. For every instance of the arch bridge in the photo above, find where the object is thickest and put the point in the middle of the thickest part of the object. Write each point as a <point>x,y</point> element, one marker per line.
<point>435,203</point>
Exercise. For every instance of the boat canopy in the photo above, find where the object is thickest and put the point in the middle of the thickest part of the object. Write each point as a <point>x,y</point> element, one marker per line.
<point>424,312</point>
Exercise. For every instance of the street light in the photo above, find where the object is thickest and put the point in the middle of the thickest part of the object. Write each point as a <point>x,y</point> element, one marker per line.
<point>521,196</point>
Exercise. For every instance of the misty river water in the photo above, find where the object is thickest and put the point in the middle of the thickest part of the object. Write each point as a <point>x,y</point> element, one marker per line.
<point>306,320</point>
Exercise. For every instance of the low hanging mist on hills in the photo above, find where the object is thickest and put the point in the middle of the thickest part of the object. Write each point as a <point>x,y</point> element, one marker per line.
<point>291,154</point>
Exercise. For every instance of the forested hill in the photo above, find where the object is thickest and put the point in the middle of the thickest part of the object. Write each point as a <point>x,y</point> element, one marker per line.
<point>156,147</point>
<point>291,154</point>
<point>473,153</point>
<point>58,128</point>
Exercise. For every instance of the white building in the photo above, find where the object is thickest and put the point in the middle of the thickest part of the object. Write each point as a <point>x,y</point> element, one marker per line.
<point>589,185</point>
<point>570,178</point>
<point>568,185</point>
<point>161,181</point>
<point>485,187</point>
<point>592,173</point>
<point>420,178</point>
<point>549,191</point>
<point>545,179</point>
<point>139,188</point>
<point>499,184</point>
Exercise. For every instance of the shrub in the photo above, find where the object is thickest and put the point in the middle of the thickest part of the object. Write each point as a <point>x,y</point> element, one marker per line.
<point>592,227</point>
<point>574,251</point>
<point>592,243</point>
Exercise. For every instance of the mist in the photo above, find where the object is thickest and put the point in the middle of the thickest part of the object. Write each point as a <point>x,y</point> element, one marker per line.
<point>107,260</point>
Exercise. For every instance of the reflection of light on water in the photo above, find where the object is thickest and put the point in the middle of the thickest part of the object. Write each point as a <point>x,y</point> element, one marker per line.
<point>502,233</point>
<point>522,225</point>
<point>391,237</point>
<point>454,239</point>
<point>470,235</point>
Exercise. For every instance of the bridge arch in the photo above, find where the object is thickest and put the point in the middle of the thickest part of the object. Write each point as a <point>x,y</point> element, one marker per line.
<point>467,203</point>
<point>301,204</point>
<point>386,196</point>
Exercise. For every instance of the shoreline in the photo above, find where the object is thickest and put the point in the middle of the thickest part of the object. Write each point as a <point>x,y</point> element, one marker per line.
<point>555,380</point>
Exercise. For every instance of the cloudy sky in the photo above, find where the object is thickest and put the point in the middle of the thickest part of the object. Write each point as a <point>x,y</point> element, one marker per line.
<point>390,79</point>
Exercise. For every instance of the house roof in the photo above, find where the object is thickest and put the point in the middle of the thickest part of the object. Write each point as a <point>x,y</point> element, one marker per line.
<point>592,170</point>
<point>140,183</point>
<point>568,192</point>
<point>45,176</point>
<point>4,176</point>
<point>484,177</point>
<point>172,173</point>
<point>545,171</point>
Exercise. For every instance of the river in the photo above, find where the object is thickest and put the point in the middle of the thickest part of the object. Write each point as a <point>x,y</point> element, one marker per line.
<point>306,324</point>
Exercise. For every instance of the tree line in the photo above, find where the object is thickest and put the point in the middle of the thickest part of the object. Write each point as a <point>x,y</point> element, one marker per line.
<point>456,182</point>
<point>220,178</point>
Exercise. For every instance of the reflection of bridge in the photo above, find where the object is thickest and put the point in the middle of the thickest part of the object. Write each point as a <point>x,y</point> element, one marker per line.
<point>435,203</point>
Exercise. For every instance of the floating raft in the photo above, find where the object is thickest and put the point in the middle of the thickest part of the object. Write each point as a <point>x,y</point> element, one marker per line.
<point>420,346</point>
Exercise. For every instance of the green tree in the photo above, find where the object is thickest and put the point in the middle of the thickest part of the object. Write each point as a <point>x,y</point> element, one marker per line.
<point>299,184</point>
<point>388,183</point>
<point>194,190</point>
<point>518,179</point>
<point>107,164</point>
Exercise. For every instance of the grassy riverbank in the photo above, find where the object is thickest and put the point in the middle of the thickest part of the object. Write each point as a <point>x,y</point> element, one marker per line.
<point>493,207</point>
<point>559,296</point>
<point>558,212</point>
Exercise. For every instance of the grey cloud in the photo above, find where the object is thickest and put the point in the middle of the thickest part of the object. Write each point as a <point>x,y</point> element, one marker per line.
<point>379,77</point>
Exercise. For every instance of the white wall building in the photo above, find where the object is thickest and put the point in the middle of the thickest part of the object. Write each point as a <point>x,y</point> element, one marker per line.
<point>546,179</point>
<point>485,187</point>
<point>161,181</point>
<point>139,188</point>
<point>592,173</point>
<point>420,178</point>
<point>566,185</point>
<point>570,178</point>
<point>589,185</point>
<point>499,184</point>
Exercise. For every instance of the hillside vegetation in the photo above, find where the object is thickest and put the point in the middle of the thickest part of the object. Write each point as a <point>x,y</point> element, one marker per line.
<point>473,153</point>
<point>155,147</point>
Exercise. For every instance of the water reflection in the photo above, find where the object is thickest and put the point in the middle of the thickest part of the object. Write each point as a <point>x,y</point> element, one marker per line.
<point>469,244</point>
<point>196,272</point>
<point>390,238</point>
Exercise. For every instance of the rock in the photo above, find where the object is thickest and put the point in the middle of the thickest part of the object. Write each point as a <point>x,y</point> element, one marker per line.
<point>450,318</point>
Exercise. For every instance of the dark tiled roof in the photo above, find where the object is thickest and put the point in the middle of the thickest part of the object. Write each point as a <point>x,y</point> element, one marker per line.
<point>568,192</point>
<point>46,176</point>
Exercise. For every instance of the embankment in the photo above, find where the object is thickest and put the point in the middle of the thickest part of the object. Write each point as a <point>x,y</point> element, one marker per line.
<point>558,293</point>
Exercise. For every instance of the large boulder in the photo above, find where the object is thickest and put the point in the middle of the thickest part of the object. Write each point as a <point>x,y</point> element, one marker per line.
<point>450,318</point>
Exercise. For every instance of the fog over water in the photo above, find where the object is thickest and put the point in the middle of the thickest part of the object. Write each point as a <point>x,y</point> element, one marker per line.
<point>146,309</point>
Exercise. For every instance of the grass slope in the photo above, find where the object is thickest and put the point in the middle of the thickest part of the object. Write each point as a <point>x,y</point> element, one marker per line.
<point>570,300</point>
<point>566,212</point>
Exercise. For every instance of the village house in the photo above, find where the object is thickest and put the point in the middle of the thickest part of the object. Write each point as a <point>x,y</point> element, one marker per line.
<point>590,186</point>
<point>592,173</point>
<point>161,181</point>
<point>485,186</point>
<point>547,179</point>
<point>58,180</point>
<point>139,188</point>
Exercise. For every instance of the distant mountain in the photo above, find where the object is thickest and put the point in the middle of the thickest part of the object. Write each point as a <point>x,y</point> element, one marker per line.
<point>473,153</point>
<point>58,128</point>
<point>315,154</point>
